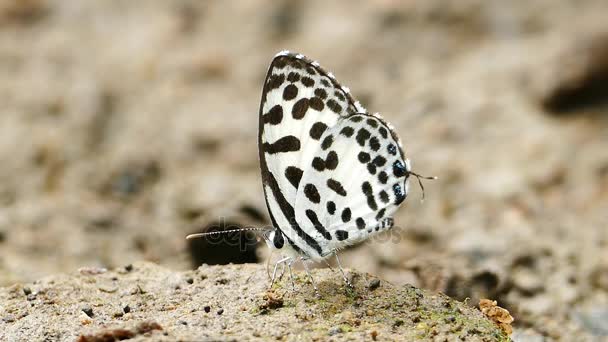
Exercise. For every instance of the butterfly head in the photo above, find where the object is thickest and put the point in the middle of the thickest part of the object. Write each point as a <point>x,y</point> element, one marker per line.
<point>274,239</point>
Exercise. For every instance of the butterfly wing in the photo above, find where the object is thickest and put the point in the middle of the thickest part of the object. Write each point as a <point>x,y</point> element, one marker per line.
<point>356,181</point>
<point>300,102</point>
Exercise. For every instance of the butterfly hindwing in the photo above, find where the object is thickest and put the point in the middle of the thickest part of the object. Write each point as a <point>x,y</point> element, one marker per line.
<point>361,178</point>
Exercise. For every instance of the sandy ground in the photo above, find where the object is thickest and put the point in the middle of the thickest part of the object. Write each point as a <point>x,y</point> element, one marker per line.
<point>125,126</point>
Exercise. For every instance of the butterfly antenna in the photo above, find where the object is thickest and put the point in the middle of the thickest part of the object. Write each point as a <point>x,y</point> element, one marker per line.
<point>420,177</point>
<point>199,235</point>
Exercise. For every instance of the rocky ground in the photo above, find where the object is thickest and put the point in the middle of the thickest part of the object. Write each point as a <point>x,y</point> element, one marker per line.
<point>125,126</point>
<point>145,301</point>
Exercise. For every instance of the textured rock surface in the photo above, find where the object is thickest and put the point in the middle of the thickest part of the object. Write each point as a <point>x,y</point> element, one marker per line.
<point>147,301</point>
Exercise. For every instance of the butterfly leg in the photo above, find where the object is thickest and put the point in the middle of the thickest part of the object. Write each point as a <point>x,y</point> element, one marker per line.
<point>348,283</point>
<point>274,272</point>
<point>293,283</point>
<point>314,285</point>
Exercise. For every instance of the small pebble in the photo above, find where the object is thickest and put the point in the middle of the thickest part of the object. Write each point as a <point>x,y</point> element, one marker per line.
<point>8,319</point>
<point>220,311</point>
<point>207,309</point>
<point>129,268</point>
<point>190,281</point>
<point>334,331</point>
<point>374,284</point>
<point>183,322</point>
<point>27,291</point>
<point>31,297</point>
<point>88,311</point>
<point>126,309</point>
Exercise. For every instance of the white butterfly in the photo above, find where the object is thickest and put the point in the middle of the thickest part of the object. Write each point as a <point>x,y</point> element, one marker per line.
<point>333,174</point>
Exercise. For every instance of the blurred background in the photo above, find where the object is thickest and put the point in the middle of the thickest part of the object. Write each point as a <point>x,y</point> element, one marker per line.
<point>126,125</point>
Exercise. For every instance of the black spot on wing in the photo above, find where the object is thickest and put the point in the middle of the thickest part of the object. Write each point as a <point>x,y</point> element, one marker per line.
<point>383,177</point>
<point>285,144</point>
<point>290,92</point>
<point>331,207</point>
<point>347,131</point>
<point>372,122</point>
<point>399,169</point>
<point>318,164</point>
<point>339,95</point>
<point>384,196</point>
<point>312,216</point>
<point>383,132</point>
<point>327,142</point>
<point>379,161</point>
<point>274,115</point>
<point>366,187</point>
<point>392,149</point>
<point>360,223</point>
<point>380,214</point>
<point>363,157</point>
<point>374,144</point>
<point>362,136</point>
<point>399,195</point>
<point>299,109</point>
<point>334,106</point>
<point>356,118</point>
<point>371,168</point>
<point>311,192</point>
<point>346,215</point>
<point>316,104</point>
<point>321,93</point>
<point>331,162</point>
<point>293,175</point>
<point>341,235</point>
<point>336,187</point>
<point>308,82</point>
<point>317,129</point>
<point>293,77</point>
<point>275,81</point>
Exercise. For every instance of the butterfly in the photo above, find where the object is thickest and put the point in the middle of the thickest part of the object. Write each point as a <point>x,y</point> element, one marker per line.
<point>333,174</point>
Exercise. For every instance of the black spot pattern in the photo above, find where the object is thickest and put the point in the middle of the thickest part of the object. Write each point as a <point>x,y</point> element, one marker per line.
<point>312,216</point>
<point>367,190</point>
<point>399,195</point>
<point>274,115</point>
<point>318,164</point>
<point>383,177</point>
<point>293,77</point>
<point>336,187</point>
<point>360,223</point>
<point>341,235</point>
<point>316,104</point>
<point>325,82</point>
<point>307,81</point>
<point>311,70</point>
<point>347,131</point>
<point>380,214</point>
<point>275,81</point>
<point>383,132</point>
<point>311,192</point>
<point>373,123</point>
<point>334,106</point>
<point>317,129</point>
<point>290,92</point>
<point>356,118</point>
<point>384,196</point>
<point>362,136</point>
<point>399,169</point>
<point>392,149</point>
<point>331,207</point>
<point>339,95</point>
<point>374,144</point>
<point>299,109</point>
<point>321,93</point>
<point>379,161</point>
<point>346,215</point>
<point>371,168</point>
<point>327,142</point>
<point>285,144</point>
<point>363,157</point>
<point>280,62</point>
<point>293,175</point>
<point>331,162</point>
